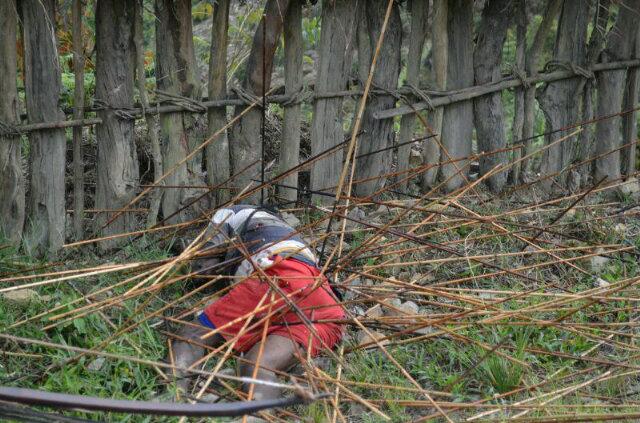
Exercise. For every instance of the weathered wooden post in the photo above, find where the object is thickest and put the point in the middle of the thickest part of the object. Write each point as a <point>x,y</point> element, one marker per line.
<point>611,84</point>
<point>290,146</point>
<point>11,178</point>
<point>558,99</point>
<point>45,225</point>
<point>117,162</point>
<point>78,113</point>
<point>457,122</point>
<point>245,145</point>
<point>488,111</point>
<point>217,153</point>
<point>379,134</point>
<point>419,11</point>
<point>177,76</point>
<point>336,43</point>
<point>440,46</point>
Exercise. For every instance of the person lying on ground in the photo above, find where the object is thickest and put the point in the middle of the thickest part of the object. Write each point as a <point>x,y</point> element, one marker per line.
<point>267,261</point>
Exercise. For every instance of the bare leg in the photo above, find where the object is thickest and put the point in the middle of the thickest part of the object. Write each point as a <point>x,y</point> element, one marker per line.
<point>278,354</point>
<point>186,353</point>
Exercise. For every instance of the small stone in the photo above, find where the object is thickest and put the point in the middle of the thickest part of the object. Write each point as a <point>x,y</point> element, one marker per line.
<point>291,220</point>
<point>381,211</point>
<point>601,283</point>
<point>21,296</point>
<point>356,213</point>
<point>96,364</point>
<point>415,158</point>
<point>620,228</point>
<point>410,308</point>
<point>364,338</point>
<point>630,188</point>
<point>428,330</point>
<point>209,398</point>
<point>323,363</point>
<point>570,214</point>
<point>375,311</point>
<point>357,410</point>
<point>487,296</point>
<point>405,276</point>
<point>598,263</point>
<point>390,304</point>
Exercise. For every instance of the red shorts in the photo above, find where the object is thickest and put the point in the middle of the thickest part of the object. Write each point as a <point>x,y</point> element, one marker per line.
<point>296,280</point>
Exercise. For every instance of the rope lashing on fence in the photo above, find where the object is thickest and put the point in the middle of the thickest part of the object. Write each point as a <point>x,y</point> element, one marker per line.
<point>247,97</point>
<point>124,113</point>
<point>554,65</point>
<point>420,94</point>
<point>520,75</point>
<point>303,95</point>
<point>9,130</point>
<point>189,104</point>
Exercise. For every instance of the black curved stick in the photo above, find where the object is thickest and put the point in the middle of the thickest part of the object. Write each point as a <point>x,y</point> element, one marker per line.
<point>68,401</point>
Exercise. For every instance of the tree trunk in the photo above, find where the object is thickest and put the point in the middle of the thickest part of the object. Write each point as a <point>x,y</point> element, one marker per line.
<point>611,84</point>
<point>217,153</point>
<point>78,113</point>
<point>518,101</point>
<point>488,111</point>
<point>532,64</point>
<point>151,120</point>
<point>457,122</point>
<point>335,48</point>
<point>596,43</point>
<point>290,147</point>
<point>11,178</point>
<point>419,12</point>
<point>629,120</point>
<point>176,75</point>
<point>379,134</point>
<point>117,162</point>
<point>440,46</point>
<point>558,99</point>
<point>45,229</point>
<point>245,145</point>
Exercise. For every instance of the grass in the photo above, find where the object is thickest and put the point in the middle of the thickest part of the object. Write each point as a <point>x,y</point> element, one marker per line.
<point>436,364</point>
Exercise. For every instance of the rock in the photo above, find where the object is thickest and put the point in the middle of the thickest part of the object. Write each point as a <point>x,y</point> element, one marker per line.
<point>410,308</point>
<point>357,213</point>
<point>598,263</point>
<point>357,410</point>
<point>375,311</point>
<point>620,228</point>
<point>574,181</point>
<point>401,309</point>
<point>405,276</point>
<point>487,296</point>
<point>630,189</point>
<point>381,211</point>
<point>323,363</point>
<point>209,398</point>
<point>23,296</point>
<point>291,219</point>
<point>415,158</point>
<point>569,215</point>
<point>364,338</point>
<point>601,283</point>
<point>428,330</point>
<point>96,364</point>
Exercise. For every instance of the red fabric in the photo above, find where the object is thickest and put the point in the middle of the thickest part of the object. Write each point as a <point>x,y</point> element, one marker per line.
<point>292,276</point>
